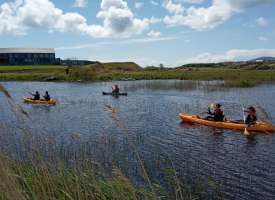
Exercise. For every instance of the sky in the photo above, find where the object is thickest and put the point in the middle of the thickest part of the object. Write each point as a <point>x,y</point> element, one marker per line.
<point>148,32</point>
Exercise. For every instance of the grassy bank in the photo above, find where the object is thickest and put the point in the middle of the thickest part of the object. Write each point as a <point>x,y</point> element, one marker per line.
<point>131,71</point>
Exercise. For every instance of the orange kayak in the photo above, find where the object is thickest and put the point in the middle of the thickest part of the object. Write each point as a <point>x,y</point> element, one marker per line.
<point>262,127</point>
<point>39,102</point>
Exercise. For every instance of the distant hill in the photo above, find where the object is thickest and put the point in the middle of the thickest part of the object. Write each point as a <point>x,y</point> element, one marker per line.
<point>120,66</point>
<point>126,66</point>
<point>265,59</point>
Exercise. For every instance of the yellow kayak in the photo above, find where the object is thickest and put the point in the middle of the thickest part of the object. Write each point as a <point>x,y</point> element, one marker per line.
<point>39,102</point>
<point>262,127</point>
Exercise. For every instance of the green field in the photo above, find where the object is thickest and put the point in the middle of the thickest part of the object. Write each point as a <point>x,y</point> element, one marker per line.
<point>31,72</point>
<point>236,77</point>
<point>29,67</point>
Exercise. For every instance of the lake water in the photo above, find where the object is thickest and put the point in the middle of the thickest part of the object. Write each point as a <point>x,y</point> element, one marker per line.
<point>148,120</point>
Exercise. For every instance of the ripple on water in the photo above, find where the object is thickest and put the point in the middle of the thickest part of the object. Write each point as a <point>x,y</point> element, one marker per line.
<point>148,119</point>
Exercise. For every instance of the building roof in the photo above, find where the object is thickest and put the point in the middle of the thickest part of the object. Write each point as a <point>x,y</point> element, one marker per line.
<point>27,50</point>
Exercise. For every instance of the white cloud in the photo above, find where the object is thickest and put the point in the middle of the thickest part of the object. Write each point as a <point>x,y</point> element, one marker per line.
<point>120,42</point>
<point>118,20</point>
<point>146,40</point>
<point>80,3</point>
<point>262,38</point>
<point>154,34</point>
<point>154,3</point>
<point>138,5</point>
<point>231,55</point>
<point>261,21</point>
<point>191,1</point>
<point>243,4</point>
<point>173,8</point>
<point>187,40</point>
<point>201,18</point>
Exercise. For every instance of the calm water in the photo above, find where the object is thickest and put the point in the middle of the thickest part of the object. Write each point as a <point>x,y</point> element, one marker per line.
<point>148,119</point>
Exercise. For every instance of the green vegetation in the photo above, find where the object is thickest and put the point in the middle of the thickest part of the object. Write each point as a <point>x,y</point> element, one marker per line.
<point>233,75</point>
<point>31,72</point>
<point>18,68</point>
<point>29,181</point>
<point>240,83</point>
<point>43,180</point>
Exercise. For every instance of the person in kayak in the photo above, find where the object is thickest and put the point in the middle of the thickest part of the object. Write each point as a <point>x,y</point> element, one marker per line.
<point>251,117</point>
<point>36,96</point>
<point>217,115</point>
<point>115,89</point>
<point>46,96</point>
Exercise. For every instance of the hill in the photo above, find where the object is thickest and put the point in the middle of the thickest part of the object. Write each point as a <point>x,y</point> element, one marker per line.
<point>117,66</point>
<point>264,59</point>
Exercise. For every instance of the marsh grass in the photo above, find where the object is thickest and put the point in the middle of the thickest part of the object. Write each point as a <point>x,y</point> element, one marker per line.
<point>240,83</point>
<point>130,71</point>
<point>41,181</point>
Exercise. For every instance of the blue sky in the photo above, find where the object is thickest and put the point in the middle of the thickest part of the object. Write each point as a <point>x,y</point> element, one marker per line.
<point>149,32</point>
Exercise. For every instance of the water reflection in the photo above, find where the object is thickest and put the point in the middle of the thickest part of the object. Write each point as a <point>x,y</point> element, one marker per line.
<point>180,85</point>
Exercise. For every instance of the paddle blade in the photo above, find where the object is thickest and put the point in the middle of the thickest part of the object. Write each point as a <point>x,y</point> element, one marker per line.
<point>246,132</point>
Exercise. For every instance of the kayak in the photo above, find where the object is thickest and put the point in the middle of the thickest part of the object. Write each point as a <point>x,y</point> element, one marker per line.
<point>263,127</point>
<point>114,94</point>
<point>39,102</point>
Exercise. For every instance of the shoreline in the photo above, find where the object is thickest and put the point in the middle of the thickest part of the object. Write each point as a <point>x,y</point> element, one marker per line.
<point>88,74</point>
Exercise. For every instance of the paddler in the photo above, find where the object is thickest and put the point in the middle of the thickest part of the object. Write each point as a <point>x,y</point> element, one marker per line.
<point>251,117</point>
<point>115,89</point>
<point>46,96</point>
<point>36,96</point>
<point>217,115</point>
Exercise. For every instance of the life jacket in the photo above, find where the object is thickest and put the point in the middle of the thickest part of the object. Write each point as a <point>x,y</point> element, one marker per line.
<point>36,96</point>
<point>116,89</point>
<point>254,114</point>
<point>218,111</point>
<point>218,114</point>
<point>47,97</point>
